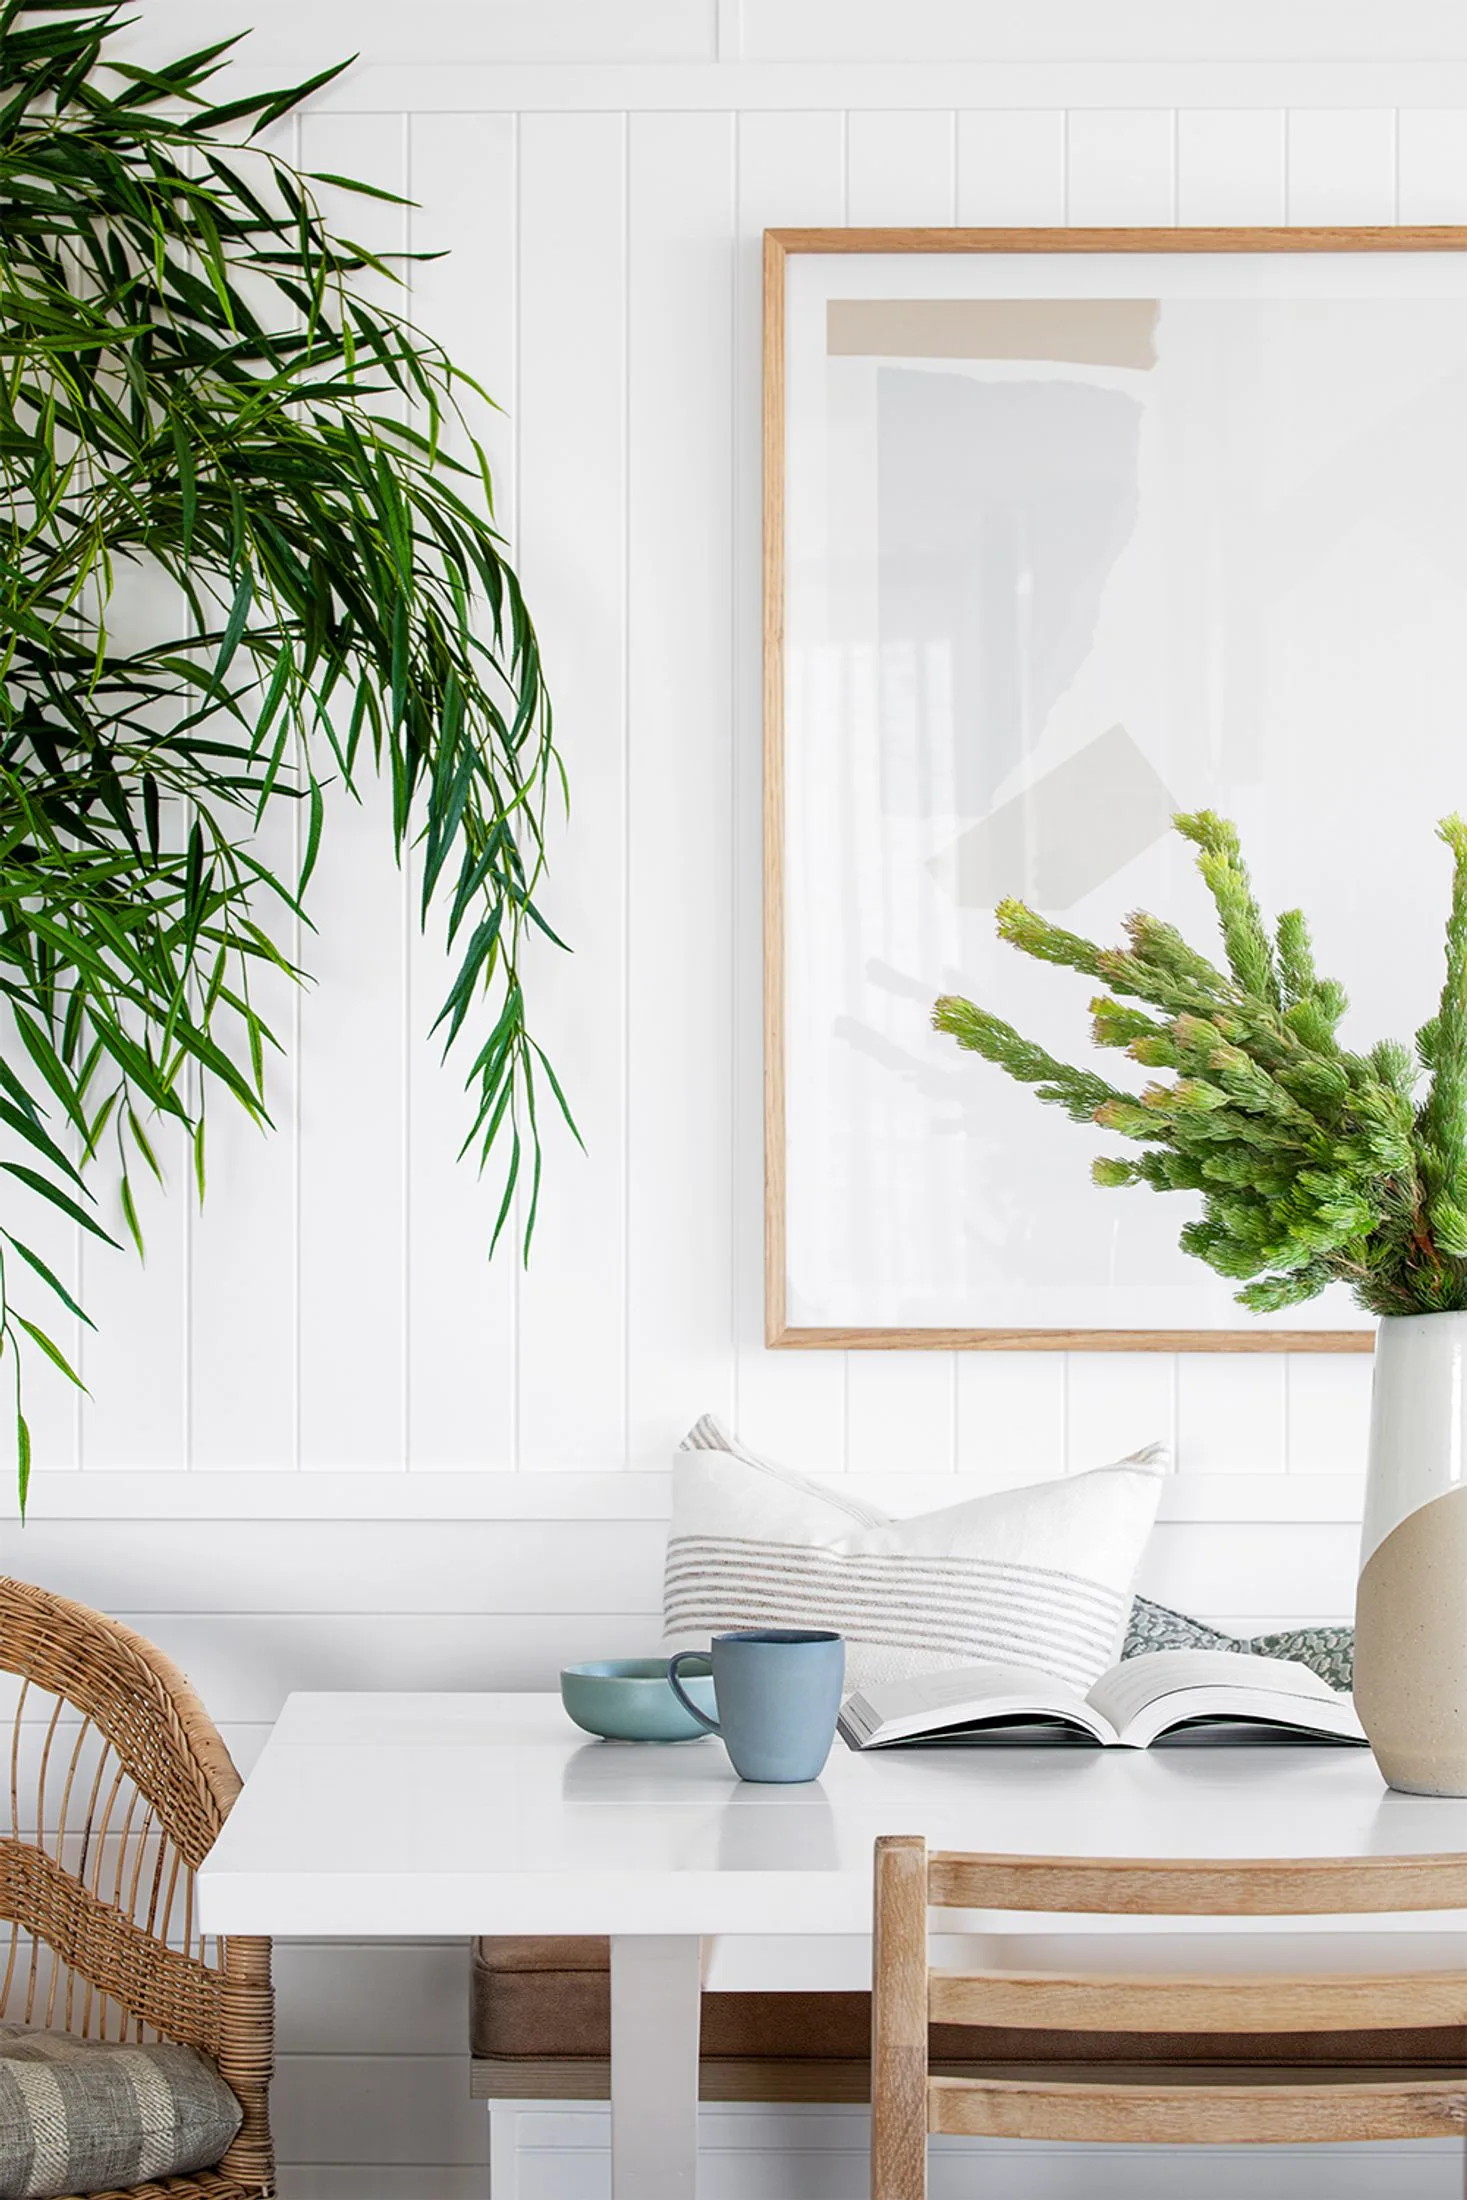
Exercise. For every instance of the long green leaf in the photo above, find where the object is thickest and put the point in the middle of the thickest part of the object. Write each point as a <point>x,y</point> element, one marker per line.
<point>52,1350</point>
<point>53,1282</point>
<point>57,1198</point>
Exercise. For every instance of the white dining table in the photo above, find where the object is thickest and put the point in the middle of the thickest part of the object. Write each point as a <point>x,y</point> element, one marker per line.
<point>385,1815</point>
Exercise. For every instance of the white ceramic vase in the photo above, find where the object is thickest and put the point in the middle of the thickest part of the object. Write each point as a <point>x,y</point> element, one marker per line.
<point>1411,1604</point>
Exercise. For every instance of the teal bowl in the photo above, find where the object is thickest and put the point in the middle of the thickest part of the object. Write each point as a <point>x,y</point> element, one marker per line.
<point>630,1700</point>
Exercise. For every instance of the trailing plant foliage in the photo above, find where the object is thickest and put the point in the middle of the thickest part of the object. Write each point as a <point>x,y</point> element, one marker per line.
<point>237,562</point>
<point>1314,1164</point>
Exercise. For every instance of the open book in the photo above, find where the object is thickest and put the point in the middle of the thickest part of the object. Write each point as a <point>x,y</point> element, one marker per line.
<point>1156,1694</point>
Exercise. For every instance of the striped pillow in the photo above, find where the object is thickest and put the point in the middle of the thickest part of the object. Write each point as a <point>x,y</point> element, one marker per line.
<point>1040,1576</point>
<point>92,2115</point>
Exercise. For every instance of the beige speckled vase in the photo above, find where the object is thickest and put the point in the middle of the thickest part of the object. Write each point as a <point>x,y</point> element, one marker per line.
<point>1411,1604</point>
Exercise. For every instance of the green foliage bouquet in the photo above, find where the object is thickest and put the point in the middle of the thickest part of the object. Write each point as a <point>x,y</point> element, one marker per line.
<point>1314,1164</point>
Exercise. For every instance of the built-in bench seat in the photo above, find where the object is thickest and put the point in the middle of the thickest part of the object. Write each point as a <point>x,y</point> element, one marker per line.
<point>541,2030</point>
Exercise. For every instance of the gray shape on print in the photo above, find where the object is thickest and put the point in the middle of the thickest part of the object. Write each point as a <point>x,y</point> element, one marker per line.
<point>1063,836</point>
<point>1002,508</point>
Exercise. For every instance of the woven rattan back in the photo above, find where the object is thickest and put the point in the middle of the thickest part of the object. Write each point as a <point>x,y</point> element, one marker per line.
<point>119,1783</point>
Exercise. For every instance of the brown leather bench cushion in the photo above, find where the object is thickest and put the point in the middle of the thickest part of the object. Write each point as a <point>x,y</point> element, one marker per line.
<point>537,1999</point>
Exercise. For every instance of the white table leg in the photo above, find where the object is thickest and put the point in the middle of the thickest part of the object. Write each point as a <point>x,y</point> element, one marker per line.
<point>656,1987</point>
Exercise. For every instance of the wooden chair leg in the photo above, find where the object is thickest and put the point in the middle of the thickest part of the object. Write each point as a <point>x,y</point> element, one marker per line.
<point>899,2021</point>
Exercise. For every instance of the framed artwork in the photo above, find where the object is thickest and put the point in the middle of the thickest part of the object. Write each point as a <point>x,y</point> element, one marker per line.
<point>1067,531</point>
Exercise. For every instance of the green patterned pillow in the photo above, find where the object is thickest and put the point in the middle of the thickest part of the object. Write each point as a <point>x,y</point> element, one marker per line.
<point>1158,1627</point>
<point>91,2115</point>
<point>1327,1651</point>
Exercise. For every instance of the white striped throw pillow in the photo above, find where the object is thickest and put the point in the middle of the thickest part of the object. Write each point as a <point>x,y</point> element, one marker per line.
<point>1040,1576</point>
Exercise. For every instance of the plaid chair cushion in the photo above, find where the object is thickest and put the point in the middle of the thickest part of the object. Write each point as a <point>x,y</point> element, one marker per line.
<point>80,2116</point>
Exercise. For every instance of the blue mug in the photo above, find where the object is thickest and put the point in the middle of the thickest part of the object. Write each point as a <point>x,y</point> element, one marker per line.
<point>778,1692</point>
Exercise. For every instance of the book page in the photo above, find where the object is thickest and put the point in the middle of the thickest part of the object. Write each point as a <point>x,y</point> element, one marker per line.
<point>1137,1683</point>
<point>933,1702</point>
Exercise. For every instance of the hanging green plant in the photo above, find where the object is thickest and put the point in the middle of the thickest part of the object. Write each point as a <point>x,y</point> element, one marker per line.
<point>197,390</point>
<point>1315,1164</point>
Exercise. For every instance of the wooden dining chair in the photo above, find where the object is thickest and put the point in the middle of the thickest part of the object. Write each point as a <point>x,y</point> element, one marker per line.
<point>1179,2104</point>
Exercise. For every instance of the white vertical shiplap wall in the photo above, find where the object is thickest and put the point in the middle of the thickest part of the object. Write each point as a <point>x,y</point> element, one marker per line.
<point>332,1307</point>
<point>331,1312</point>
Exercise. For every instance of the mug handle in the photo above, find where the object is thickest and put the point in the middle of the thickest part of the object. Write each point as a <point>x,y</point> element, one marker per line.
<point>675,1684</point>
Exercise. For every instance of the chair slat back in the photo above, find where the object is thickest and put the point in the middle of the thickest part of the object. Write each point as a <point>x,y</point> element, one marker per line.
<point>1197,1887</point>
<point>1315,1886</point>
<point>1109,2002</point>
<point>1152,2105</point>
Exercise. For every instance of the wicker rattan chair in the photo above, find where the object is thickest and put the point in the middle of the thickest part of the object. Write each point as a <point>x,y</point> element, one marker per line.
<point>119,1783</point>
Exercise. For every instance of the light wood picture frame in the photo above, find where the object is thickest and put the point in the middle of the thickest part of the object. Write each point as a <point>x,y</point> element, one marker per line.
<point>1423,270</point>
